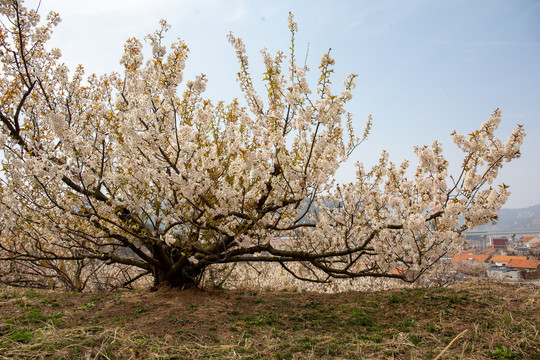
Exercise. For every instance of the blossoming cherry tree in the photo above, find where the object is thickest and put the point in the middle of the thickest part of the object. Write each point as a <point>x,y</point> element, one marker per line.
<point>141,169</point>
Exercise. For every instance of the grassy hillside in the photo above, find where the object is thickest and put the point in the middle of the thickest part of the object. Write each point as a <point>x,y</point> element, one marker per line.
<point>474,320</point>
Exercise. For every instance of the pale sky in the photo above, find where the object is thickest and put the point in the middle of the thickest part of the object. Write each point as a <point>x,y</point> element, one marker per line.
<point>426,67</point>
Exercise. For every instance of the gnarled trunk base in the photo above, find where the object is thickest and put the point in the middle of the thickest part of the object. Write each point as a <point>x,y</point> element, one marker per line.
<point>185,278</point>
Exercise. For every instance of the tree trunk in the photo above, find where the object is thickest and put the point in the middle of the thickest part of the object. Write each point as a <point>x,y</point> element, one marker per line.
<point>185,278</point>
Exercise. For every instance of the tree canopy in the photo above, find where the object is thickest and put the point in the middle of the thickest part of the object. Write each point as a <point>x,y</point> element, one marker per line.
<point>140,169</point>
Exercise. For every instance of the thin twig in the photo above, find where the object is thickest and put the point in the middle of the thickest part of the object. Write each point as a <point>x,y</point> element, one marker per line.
<point>451,342</point>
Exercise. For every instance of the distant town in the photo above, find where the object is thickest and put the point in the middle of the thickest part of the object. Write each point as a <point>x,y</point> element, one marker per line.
<point>512,259</point>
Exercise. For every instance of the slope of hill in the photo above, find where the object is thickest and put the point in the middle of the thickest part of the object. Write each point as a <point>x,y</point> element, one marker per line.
<point>515,219</point>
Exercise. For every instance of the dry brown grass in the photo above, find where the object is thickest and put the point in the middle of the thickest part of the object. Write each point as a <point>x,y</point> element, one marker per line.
<point>473,320</point>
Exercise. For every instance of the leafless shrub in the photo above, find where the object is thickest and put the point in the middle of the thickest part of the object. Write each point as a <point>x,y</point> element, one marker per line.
<point>472,269</point>
<point>441,274</point>
<point>71,275</point>
<point>273,277</point>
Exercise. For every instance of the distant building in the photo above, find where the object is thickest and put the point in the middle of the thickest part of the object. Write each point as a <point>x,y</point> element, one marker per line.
<point>526,239</point>
<point>529,269</point>
<point>530,264</point>
<point>498,243</point>
<point>502,260</point>
<point>527,242</point>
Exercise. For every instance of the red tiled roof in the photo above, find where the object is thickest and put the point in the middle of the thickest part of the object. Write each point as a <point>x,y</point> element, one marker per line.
<point>487,251</point>
<point>481,258</point>
<point>536,244</point>
<point>527,238</point>
<point>469,251</point>
<point>503,258</point>
<point>469,257</point>
<point>458,257</point>
<point>524,264</point>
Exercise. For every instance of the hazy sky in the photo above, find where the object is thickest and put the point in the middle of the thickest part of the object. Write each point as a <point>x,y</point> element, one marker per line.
<point>425,68</point>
